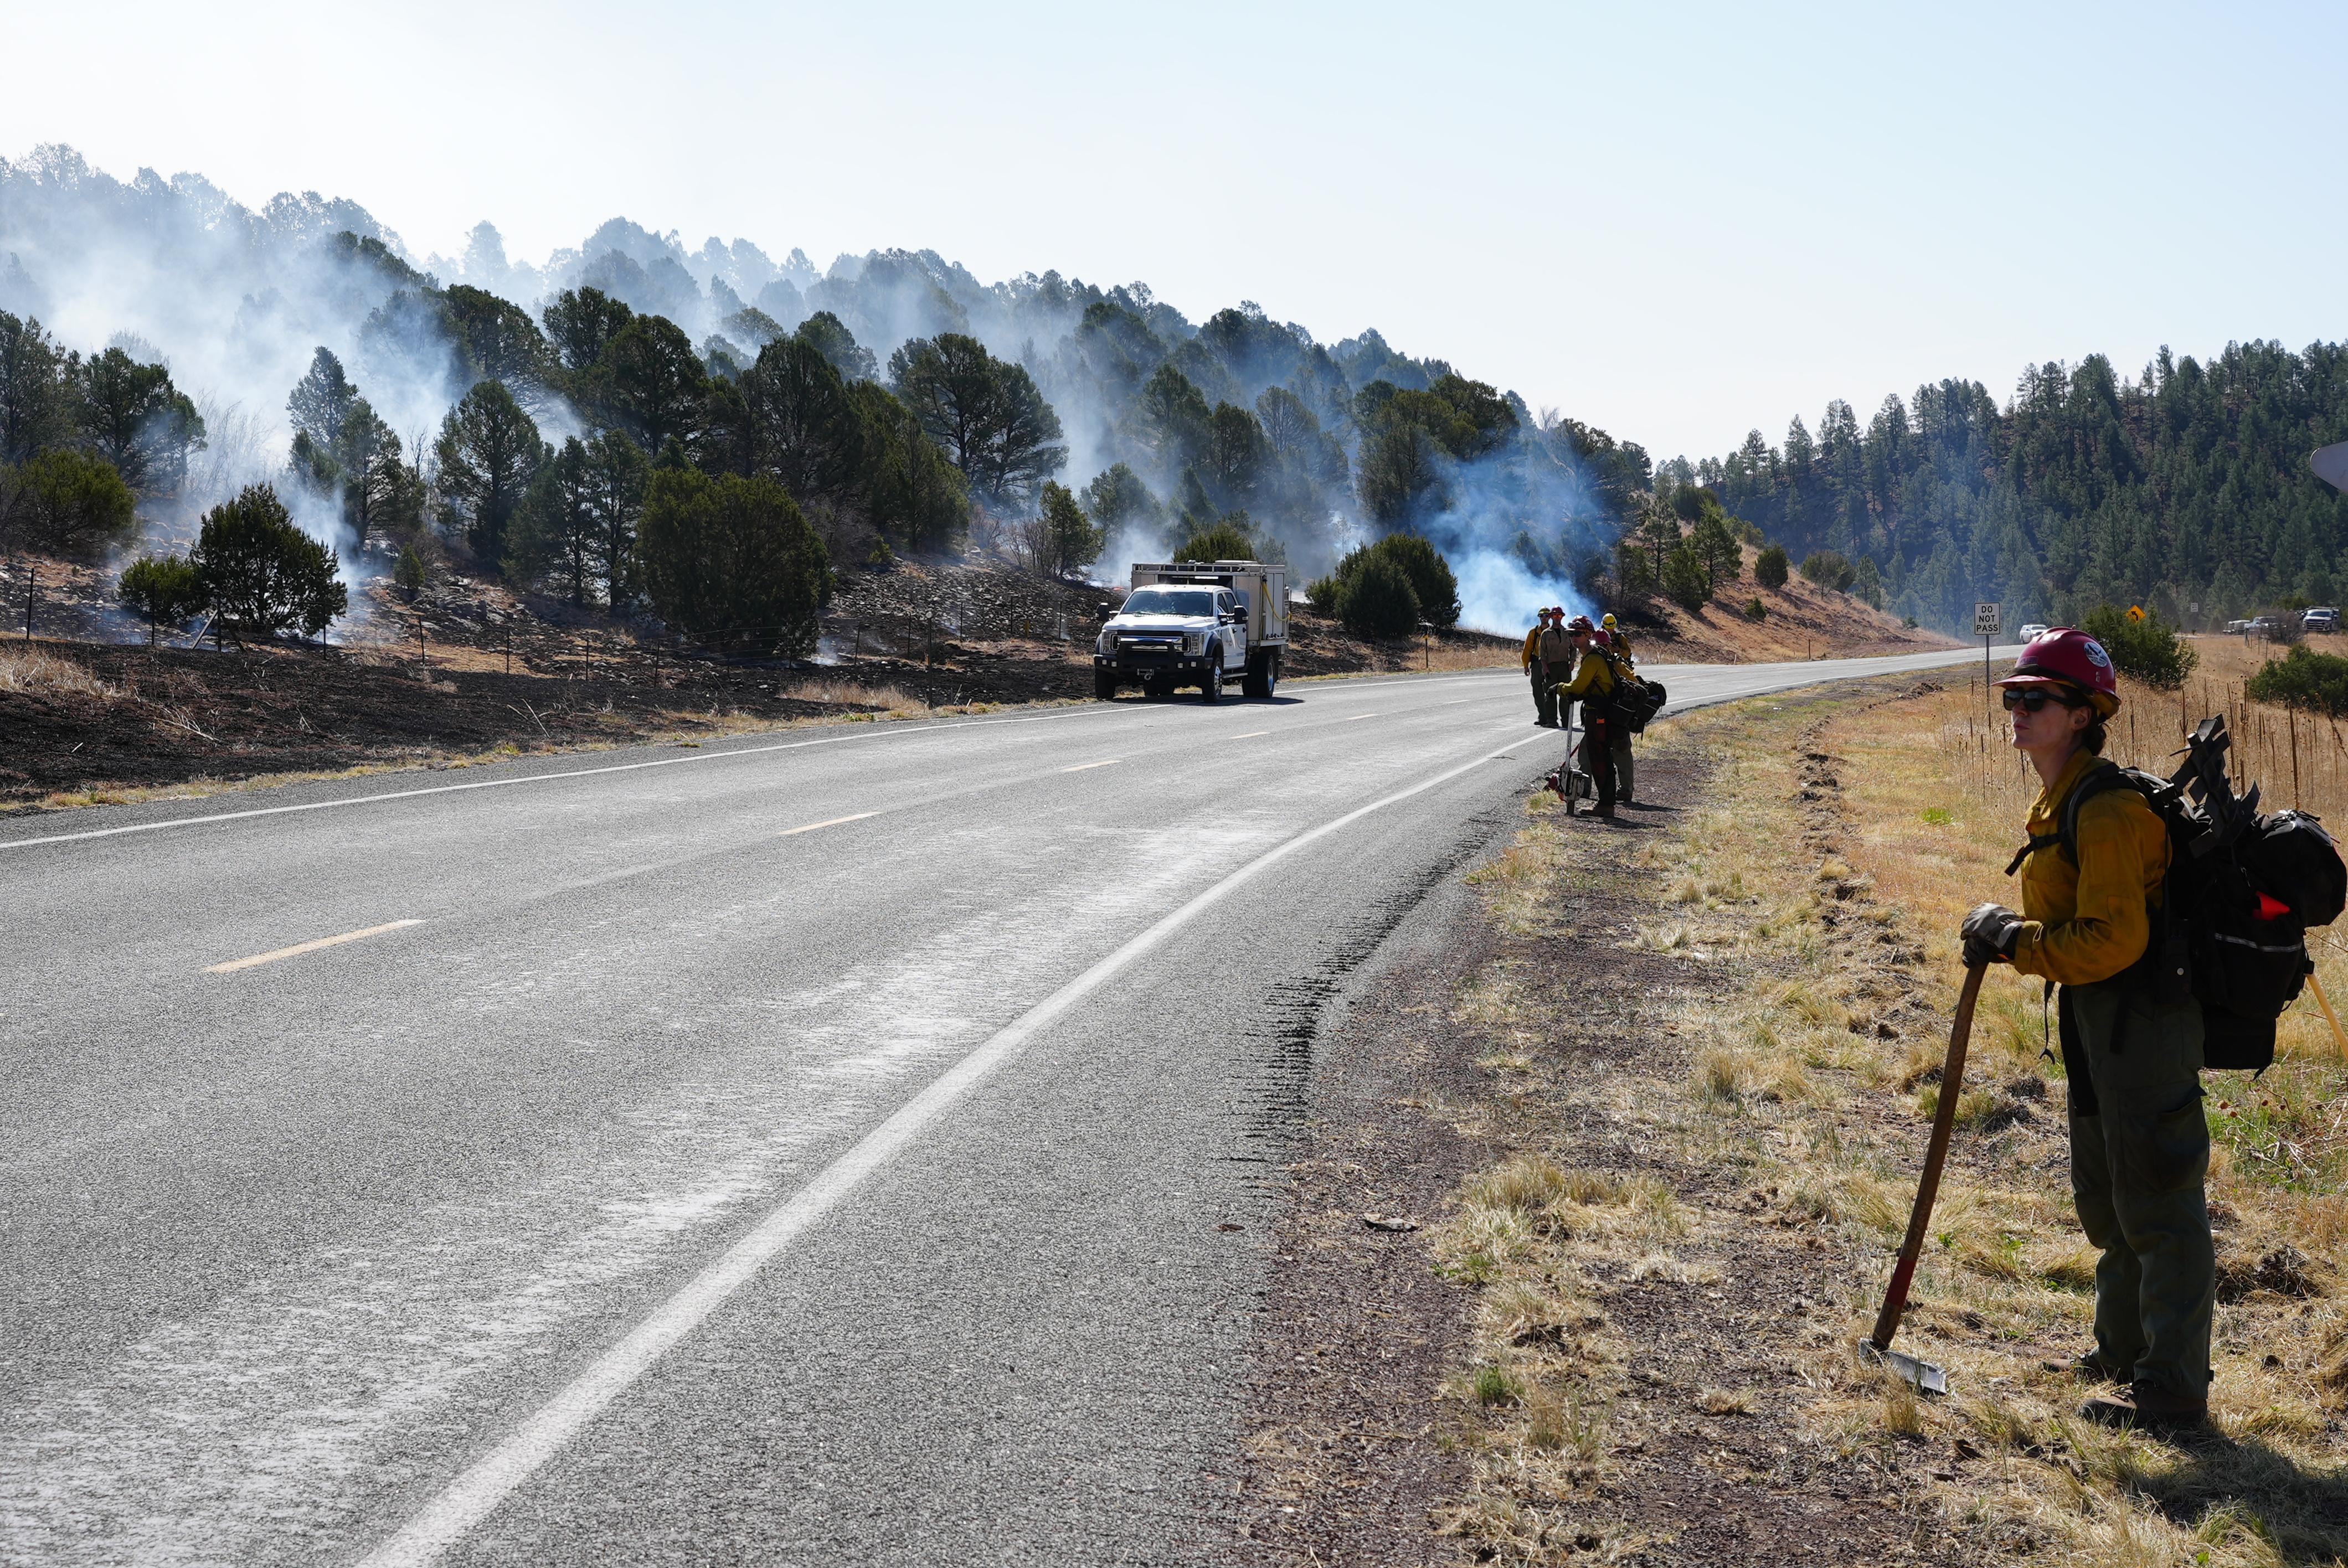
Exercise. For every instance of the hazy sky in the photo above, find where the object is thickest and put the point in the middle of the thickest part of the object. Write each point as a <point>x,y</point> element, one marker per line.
<point>1676,222</point>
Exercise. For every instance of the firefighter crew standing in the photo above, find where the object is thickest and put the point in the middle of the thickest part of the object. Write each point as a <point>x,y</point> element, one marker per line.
<point>1544,706</point>
<point>1623,764</point>
<point>1594,687</point>
<point>1552,662</point>
<point>2139,1144</point>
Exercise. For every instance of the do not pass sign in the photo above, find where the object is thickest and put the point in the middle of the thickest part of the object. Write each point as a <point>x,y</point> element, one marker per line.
<point>1986,619</point>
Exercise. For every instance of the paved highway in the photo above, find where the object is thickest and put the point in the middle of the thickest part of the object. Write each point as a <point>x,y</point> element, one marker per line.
<point>816,1147</point>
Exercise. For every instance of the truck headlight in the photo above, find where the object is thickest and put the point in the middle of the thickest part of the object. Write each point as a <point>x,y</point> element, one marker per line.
<point>1194,642</point>
<point>1107,643</point>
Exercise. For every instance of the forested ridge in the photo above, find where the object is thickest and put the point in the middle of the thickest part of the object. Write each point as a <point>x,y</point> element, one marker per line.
<point>898,401</point>
<point>2185,489</point>
<point>156,327</point>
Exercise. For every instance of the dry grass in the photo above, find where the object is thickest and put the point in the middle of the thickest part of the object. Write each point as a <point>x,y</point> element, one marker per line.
<point>1935,801</point>
<point>894,701</point>
<point>37,672</point>
<point>1814,1080</point>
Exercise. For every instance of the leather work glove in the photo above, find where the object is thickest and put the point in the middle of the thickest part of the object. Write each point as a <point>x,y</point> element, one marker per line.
<point>1990,932</point>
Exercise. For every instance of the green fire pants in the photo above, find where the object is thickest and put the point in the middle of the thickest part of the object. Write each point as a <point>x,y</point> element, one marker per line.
<point>2139,1153</point>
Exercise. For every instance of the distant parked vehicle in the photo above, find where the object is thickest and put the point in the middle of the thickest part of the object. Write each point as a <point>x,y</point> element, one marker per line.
<point>2323,618</point>
<point>2030,630</point>
<point>1194,623</point>
<point>2238,627</point>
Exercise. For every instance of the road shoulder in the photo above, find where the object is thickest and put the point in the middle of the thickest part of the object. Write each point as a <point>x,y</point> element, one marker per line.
<point>1590,1345</point>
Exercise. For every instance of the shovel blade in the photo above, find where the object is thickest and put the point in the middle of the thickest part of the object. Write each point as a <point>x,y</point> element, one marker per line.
<point>1924,1375</point>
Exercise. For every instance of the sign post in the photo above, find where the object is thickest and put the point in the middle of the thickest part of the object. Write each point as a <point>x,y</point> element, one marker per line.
<point>1987,618</point>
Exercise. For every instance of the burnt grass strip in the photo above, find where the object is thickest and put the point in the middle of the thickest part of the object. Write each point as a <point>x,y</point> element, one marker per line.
<point>1362,1445</point>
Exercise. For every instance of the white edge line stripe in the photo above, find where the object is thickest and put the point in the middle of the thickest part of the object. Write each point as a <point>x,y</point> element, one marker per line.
<point>483,1484</point>
<point>696,757</point>
<point>1250,735</point>
<point>1082,767</point>
<point>835,822</point>
<point>298,948</point>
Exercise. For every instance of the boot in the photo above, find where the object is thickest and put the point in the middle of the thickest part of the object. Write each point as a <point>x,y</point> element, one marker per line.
<point>2146,1409</point>
<point>1606,811</point>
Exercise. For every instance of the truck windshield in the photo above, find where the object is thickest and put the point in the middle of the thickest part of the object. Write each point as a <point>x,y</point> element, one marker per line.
<point>1170,602</point>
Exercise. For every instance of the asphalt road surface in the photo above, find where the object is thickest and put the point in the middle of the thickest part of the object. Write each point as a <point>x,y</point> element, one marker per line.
<point>818,1147</point>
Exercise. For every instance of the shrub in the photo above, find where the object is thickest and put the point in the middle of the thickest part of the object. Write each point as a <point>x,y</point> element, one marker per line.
<point>1378,601</point>
<point>67,500</point>
<point>1220,540</point>
<point>262,575</point>
<point>408,572</point>
<point>1430,576</point>
<point>2147,649</point>
<point>2303,678</point>
<point>160,589</point>
<point>1828,568</point>
<point>1432,584</point>
<point>1770,568</point>
<point>1755,609</point>
<point>1687,579</point>
<point>732,560</point>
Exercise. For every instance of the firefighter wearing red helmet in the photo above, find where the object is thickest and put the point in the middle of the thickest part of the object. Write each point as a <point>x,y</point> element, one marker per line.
<point>2139,1144</point>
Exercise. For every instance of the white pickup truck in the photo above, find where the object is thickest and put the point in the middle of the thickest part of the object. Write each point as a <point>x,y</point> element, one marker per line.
<point>1196,623</point>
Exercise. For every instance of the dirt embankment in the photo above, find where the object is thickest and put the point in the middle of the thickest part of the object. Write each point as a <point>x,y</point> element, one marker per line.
<point>1800,620</point>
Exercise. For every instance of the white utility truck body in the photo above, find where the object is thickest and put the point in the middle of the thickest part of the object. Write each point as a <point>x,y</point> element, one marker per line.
<point>1196,623</point>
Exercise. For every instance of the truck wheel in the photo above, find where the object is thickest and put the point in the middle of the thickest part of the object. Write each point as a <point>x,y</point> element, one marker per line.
<point>1262,671</point>
<point>1210,685</point>
<point>1104,685</point>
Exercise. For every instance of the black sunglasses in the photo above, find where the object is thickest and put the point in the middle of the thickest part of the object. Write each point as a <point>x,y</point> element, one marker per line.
<point>2034,698</point>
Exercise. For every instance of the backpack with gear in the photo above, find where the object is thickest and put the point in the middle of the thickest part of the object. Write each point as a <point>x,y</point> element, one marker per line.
<point>1628,701</point>
<point>2240,893</point>
<point>1638,701</point>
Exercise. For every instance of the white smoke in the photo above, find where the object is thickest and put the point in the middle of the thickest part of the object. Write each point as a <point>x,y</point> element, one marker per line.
<point>238,302</point>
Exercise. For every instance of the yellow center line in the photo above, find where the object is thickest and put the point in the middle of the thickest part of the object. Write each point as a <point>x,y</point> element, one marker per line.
<point>1250,735</point>
<point>834,822</point>
<point>298,948</point>
<point>1080,767</point>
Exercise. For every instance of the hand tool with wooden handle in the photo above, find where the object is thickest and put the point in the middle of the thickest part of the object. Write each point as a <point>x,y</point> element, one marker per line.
<point>1877,1347</point>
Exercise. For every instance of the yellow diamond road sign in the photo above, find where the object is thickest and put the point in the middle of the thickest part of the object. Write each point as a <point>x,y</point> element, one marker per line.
<point>2136,612</point>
